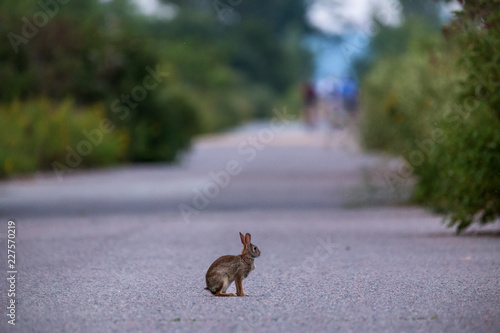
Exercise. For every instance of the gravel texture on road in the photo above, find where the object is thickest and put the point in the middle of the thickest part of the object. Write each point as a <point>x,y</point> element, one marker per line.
<point>109,251</point>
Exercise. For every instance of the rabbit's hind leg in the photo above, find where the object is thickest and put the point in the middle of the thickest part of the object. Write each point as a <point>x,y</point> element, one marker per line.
<point>239,287</point>
<point>225,285</point>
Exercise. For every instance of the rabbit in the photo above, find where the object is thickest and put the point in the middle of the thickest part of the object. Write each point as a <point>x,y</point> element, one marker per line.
<point>227,269</point>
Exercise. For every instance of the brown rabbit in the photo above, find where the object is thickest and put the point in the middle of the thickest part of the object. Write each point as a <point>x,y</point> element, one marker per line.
<point>229,268</point>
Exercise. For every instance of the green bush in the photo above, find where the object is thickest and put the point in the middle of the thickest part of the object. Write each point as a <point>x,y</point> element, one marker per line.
<point>467,179</point>
<point>102,51</point>
<point>461,178</point>
<point>438,106</point>
<point>38,133</point>
<point>165,129</point>
<point>404,97</point>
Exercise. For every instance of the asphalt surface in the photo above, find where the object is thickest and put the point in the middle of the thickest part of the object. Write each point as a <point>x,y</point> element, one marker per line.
<point>111,251</point>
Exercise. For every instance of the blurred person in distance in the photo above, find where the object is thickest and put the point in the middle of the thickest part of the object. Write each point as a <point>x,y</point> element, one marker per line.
<point>309,97</point>
<point>350,95</point>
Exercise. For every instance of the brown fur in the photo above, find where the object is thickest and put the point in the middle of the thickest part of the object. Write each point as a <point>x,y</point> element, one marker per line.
<point>227,269</point>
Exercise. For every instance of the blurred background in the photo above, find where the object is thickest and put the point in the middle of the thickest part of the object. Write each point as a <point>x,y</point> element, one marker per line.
<point>96,83</point>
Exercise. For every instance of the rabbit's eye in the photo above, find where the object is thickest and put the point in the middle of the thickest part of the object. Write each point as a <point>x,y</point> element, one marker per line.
<point>255,248</point>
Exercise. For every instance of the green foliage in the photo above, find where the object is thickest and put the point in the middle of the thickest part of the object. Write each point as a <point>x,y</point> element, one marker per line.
<point>462,177</point>
<point>437,105</point>
<point>97,52</point>
<point>427,10</point>
<point>405,95</point>
<point>258,59</point>
<point>420,17</point>
<point>469,170</point>
<point>35,134</point>
<point>166,129</point>
<point>69,56</point>
<point>270,44</point>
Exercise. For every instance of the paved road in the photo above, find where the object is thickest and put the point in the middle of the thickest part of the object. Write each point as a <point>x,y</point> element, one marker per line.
<point>110,251</point>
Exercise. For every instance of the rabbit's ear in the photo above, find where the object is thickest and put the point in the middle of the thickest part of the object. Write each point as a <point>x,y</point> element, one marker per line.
<point>248,238</point>
<point>242,238</point>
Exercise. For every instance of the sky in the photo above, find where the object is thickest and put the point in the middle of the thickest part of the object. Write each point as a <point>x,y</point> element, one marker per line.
<point>148,6</point>
<point>338,17</point>
<point>153,7</point>
<point>352,18</point>
<point>332,16</point>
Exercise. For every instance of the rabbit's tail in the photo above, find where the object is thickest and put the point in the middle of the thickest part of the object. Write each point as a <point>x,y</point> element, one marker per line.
<point>212,291</point>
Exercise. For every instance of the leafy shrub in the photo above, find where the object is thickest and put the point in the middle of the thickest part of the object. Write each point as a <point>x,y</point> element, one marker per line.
<point>99,51</point>
<point>462,176</point>
<point>35,134</point>
<point>467,180</point>
<point>404,97</point>
<point>437,105</point>
<point>165,129</point>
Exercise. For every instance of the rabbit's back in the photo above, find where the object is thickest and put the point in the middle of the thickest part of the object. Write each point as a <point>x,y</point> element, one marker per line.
<point>230,266</point>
